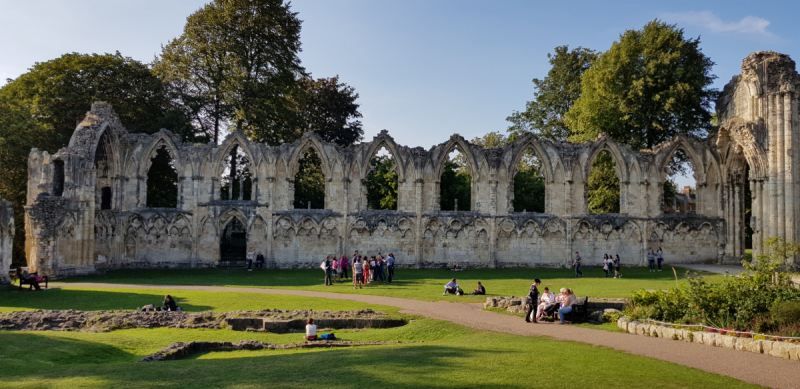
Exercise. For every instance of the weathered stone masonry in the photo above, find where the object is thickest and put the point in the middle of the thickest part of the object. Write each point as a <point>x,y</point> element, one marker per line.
<point>69,232</point>
<point>6,239</point>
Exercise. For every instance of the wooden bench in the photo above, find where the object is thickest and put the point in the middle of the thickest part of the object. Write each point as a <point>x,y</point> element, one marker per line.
<point>232,263</point>
<point>580,311</point>
<point>23,282</point>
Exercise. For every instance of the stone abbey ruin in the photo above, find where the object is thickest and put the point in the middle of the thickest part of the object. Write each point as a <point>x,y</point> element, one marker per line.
<point>87,205</point>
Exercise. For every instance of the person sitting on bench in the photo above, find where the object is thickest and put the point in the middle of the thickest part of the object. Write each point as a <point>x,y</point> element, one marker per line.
<point>32,280</point>
<point>169,304</point>
<point>259,260</point>
<point>451,287</point>
<point>311,330</point>
<point>480,290</point>
<point>548,303</point>
<point>566,305</point>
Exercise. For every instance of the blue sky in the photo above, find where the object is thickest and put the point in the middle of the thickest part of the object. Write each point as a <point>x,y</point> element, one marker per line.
<point>424,69</point>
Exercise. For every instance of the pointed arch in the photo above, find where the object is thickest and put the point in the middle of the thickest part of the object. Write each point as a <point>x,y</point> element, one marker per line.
<point>531,142</point>
<point>160,140</point>
<point>383,140</point>
<point>620,164</point>
<point>236,138</point>
<point>458,143</point>
<point>309,141</point>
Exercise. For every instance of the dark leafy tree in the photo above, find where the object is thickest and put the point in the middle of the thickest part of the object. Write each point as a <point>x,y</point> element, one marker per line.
<point>529,190</point>
<point>382,184</point>
<point>647,88</point>
<point>309,182</point>
<point>603,187</point>
<point>236,64</point>
<point>162,181</point>
<point>554,96</point>
<point>455,184</point>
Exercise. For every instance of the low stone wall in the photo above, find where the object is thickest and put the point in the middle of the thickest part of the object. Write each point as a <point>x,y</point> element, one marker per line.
<point>182,350</point>
<point>783,350</point>
<point>269,325</point>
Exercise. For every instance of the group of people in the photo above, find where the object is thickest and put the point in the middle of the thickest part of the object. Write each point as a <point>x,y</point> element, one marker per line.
<point>452,287</point>
<point>548,303</point>
<point>365,269</point>
<point>259,260</point>
<point>168,304</point>
<point>609,263</point>
<point>652,257</point>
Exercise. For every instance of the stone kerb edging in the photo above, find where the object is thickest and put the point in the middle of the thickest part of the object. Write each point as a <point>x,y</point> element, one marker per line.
<point>774,348</point>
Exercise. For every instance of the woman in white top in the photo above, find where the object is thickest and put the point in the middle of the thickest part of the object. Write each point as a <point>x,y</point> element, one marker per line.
<point>548,299</point>
<point>311,330</point>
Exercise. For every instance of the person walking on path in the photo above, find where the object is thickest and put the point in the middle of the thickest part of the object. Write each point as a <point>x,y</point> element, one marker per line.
<point>577,265</point>
<point>390,266</point>
<point>660,257</point>
<point>651,259</point>
<point>533,302</point>
<point>328,267</point>
<point>616,267</point>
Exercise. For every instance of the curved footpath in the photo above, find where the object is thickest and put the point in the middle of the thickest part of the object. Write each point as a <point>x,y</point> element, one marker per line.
<point>754,368</point>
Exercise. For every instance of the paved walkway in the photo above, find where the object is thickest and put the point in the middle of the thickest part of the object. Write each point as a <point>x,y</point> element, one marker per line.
<point>754,368</point>
<point>718,269</point>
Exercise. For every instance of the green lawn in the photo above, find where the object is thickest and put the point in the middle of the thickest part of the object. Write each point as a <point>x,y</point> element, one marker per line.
<point>424,285</point>
<point>451,356</point>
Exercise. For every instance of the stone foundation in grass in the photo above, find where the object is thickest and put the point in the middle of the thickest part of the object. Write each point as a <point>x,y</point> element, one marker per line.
<point>780,349</point>
<point>182,350</point>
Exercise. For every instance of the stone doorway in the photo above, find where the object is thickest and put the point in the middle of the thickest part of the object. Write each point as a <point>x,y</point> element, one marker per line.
<point>233,245</point>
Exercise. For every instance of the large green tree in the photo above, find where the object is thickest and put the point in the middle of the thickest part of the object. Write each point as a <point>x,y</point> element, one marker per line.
<point>455,184</point>
<point>324,106</point>
<point>647,88</point>
<point>381,184</point>
<point>42,107</point>
<point>554,95</point>
<point>236,64</point>
<point>309,182</point>
<point>603,187</point>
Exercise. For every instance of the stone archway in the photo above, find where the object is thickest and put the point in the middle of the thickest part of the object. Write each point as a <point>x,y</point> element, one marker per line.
<point>233,242</point>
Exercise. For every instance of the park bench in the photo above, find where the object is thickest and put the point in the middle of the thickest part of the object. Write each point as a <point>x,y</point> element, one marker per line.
<point>580,311</point>
<point>23,282</point>
<point>232,263</point>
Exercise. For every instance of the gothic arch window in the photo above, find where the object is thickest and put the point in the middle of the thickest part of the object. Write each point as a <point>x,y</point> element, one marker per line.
<point>381,181</point>
<point>309,182</point>
<point>102,167</point>
<point>236,183</point>
<point>58,178</point>
<point>529,183</point>
<point>162,180</point>
<point>679,192</point>
<point>603,186</point>
<point>455,183</point>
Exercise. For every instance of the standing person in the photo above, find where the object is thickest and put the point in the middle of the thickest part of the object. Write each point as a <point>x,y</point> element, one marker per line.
<point>605,264</point>
<point>616,267</point>
<point>577,265</point>
<point>379,264</point>
<point>249,259</point>
<point>660,258</point>
<point>367,269</point>
<point>390,266</point>
<point>335,265</point>
<point>533,296</point>
<point>343,267</point>
<point>358,273</point>
<point>651,259</point>
<point>373,269</point>
<point>328,267</point>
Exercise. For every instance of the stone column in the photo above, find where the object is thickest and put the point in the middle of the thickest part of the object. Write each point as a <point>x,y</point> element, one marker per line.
<point>780,151</point>
<point>788,170</point>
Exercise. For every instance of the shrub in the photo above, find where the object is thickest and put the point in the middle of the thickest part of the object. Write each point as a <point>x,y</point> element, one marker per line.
<point>787,312</point>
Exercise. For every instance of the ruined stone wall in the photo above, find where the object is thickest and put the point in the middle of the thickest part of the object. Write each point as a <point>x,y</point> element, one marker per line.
<point>68,231</point>
<point>6,239</point>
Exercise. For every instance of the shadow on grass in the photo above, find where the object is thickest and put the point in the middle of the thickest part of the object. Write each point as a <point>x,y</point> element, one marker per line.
<point>85,300</point>
<point>24,352</point>
<point>408,366</point>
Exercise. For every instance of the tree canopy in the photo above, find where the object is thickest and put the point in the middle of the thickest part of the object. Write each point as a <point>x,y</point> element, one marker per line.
<point>647,88</point>
<point>603,188</point>
<point>554,95</point>
<point>381,184</point>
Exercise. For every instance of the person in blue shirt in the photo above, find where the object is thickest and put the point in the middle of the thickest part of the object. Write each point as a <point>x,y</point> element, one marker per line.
<point>390,267</point>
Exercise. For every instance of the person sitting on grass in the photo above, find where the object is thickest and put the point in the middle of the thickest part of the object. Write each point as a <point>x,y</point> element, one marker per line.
<point>311,330</point>
<point>566,305</point>
<point>451,287</point>
<point>480,290</point>
<point>169,304</point>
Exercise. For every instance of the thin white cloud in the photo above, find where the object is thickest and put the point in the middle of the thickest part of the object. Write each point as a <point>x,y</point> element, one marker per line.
<point>707,19</point>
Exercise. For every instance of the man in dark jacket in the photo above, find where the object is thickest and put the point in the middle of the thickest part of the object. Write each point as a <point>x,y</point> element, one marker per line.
<point>533,296</point>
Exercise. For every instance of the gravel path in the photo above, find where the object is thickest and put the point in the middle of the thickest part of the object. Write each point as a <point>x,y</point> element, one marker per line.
<point>754,368</point>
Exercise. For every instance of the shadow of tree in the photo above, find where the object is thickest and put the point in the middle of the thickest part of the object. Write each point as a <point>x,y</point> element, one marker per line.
<point>86,300</point>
